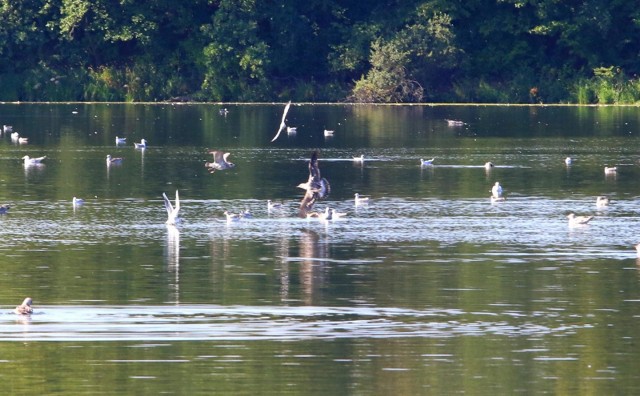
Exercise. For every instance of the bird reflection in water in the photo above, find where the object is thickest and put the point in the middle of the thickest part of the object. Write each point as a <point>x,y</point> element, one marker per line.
<point>172,257</point>
<point>313,254</point>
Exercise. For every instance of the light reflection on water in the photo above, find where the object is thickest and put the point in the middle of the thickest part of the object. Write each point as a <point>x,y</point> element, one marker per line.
<point>535,227</point>
<point>195,323</point>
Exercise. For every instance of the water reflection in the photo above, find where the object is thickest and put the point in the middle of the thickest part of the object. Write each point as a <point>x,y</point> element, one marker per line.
<point>172,257</point>
<point>314,252</point>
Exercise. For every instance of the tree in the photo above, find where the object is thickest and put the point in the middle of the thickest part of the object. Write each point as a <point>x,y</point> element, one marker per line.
<point>236,59</point>
<point>417,59</point>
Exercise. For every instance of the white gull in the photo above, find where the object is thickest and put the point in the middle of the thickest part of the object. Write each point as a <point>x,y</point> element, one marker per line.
<point>283,124</point>
<point>496,190</point>
<point>578,220</point>
<point>172,211</point>
<point>113,161</point>
<point>141,145</point>
<point>602,201</point>
<point>360,200</point>
<point>33,161</point>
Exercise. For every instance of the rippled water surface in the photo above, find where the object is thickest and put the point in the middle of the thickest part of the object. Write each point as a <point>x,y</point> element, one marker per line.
<point>429,288</point>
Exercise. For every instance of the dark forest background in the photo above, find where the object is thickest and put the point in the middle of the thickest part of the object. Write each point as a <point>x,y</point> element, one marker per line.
<point>516,51</point>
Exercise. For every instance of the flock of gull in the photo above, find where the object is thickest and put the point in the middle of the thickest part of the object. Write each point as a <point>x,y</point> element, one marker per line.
<point>316,187</point>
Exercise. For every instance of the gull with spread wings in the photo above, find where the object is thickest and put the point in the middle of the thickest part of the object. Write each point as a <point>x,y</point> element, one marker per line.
<point>220,161</point>
<point>283,124</point>
<point>172,212</point>
<point>316,187</point>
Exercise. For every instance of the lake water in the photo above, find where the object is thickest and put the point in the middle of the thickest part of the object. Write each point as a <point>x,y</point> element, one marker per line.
<point>430,288</point>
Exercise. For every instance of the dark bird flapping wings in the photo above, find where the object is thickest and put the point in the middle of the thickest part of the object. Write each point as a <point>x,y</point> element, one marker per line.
<point>283,124</point>
<point>316,187</point>
<point>220,161</point>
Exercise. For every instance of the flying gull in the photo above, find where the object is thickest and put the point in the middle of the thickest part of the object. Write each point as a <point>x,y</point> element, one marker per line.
<point>220,161</point>
<point>283,124</point>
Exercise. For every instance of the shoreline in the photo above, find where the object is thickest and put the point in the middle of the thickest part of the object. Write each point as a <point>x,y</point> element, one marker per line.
<point>330,104</point>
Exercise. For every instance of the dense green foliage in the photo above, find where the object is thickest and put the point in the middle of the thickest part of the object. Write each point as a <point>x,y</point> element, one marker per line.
<point>525,51</point>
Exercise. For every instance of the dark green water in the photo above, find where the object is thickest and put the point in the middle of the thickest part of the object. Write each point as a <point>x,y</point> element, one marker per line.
<point>429,289</point>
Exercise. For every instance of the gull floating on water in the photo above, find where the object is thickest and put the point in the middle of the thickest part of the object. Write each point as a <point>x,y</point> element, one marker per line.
<point>23,140</point>
<point>426,162</point>
<point>602,201</point>
<point>337,215</point>
<point>273,205</point>
<point>33,161</point>
<point>612,169</point>
<point>172,211</point>
<point>141,145</point>
<point>77,201</point>
<point>328,133</point>
<point>120,140</point>
<point>496,190</point>
<point>325,215</point>
<point>360,158</point>
<point>578,220</point>
<point>316,186</point>
<point>232,217</point>
<point>25,307</point>
<point>568,160</point>
<point>113,161</point>
<point>220,161</point>
<point>283,124</point>
<point>455,122</point>
<point>488,165</point>
<point>4,209</point>
<point>360,200</point>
